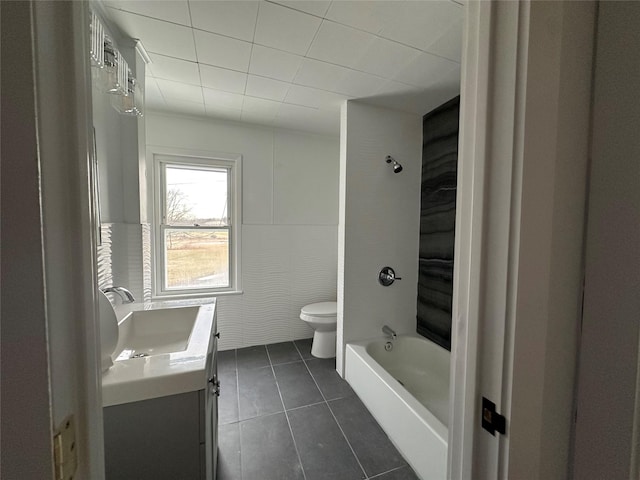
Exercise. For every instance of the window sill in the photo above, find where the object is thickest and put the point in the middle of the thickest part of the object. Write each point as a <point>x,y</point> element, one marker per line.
<point>194,296</point>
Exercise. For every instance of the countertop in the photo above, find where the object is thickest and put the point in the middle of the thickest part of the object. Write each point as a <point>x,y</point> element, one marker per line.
<point>160,375</point>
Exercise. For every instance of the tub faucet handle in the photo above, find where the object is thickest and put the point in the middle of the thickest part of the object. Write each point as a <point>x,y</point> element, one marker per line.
<point>387,276</point>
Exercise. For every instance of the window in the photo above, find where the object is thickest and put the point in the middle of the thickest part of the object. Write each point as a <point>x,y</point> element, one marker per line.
<point>196,225</point>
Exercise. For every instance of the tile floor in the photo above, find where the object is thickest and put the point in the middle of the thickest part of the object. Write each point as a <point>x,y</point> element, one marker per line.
<point>284,415</point>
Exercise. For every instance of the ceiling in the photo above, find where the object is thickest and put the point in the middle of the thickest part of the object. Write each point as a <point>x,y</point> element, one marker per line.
<point>291,63</point>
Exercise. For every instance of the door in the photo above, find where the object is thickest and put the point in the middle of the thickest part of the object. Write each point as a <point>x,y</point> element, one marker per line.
<point>606,435</point>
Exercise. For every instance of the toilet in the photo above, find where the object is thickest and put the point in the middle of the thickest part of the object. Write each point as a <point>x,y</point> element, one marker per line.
<point>322,317</point>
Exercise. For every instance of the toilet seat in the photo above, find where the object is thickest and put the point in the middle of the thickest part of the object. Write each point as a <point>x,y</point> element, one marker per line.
<point>322,311</point>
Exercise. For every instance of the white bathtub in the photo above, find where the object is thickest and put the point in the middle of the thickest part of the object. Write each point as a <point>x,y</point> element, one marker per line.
<point>407,391</point>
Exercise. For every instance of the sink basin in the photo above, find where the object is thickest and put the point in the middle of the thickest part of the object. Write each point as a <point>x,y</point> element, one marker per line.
<point>163,349</point>
<point>153,332</point>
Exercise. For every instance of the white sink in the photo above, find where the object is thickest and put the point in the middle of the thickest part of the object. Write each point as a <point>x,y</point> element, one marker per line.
<point>163,349</point>
<point>154,332</point>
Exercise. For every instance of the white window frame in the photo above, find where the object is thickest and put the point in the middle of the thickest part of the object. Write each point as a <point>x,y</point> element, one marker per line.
<point>187,158</point>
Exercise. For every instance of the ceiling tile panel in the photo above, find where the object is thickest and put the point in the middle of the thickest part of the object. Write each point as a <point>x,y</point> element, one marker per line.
<point>417,24</point>
<point>186,108</point>
<point>314,7</point>
<point>261,106</point>
<point>424,70</point>
<point>170,68</point>
<point>312,97</point>
<point>358,14</point>
<point>170,11</point>
<point>214,99</point>
<point>285,29</point>
<point>386,58</point>
<point>266,88</point>
<point>221,51</point>
<point>322,75</point>
<point>231,18</point>
<point>176,91</point>
<point>268,62</point>
<point>338,44</point>
<point>449,45</point>
<point>157,36</point>
<point>359,84</point>
<point>222,79</point>
<point>224,113</point>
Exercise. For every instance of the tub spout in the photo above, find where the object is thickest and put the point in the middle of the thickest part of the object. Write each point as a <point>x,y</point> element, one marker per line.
<point>388,331</point>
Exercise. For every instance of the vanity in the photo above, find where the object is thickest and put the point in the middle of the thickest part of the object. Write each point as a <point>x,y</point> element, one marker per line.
<point>160,397</point>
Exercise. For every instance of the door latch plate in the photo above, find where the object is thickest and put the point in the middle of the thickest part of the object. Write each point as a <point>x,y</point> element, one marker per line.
<point>492,421</point>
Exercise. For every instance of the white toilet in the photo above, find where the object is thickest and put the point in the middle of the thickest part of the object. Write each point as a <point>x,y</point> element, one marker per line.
<point>322,317</point>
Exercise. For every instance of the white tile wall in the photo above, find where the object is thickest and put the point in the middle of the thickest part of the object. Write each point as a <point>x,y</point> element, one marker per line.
<point>284,269</point>
<point>379,221</point>
<point>289,232</point>
<point>124,258</point>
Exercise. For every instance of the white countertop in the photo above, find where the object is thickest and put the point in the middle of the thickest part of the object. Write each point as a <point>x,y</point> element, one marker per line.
<point>160,375</point>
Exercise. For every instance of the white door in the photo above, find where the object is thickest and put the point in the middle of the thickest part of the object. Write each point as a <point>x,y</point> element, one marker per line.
<point>525,101</point>
<point>50,364</point>
<point>607,436</point>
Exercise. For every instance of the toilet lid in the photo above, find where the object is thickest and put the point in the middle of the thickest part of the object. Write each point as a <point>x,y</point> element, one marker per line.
<point>322,309</point>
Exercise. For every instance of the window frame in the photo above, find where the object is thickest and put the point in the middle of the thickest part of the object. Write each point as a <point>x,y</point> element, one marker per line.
<point>161,157</point>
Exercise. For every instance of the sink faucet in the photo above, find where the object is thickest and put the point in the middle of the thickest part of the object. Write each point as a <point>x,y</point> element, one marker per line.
<point>122,292</point>
<point>388,331</point>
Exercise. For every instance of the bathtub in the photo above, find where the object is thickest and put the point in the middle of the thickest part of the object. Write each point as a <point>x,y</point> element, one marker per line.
<point>406,389</point>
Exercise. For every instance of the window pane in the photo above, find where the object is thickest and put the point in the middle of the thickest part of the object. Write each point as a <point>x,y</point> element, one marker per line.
<point>196,258</point>
<point>196,196</point>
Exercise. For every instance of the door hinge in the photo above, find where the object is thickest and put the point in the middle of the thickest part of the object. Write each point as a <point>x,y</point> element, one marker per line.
<point>492,421</point>
<point>65,450</point>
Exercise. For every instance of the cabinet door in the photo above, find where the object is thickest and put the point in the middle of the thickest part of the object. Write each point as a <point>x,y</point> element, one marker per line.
<point>211,405</point>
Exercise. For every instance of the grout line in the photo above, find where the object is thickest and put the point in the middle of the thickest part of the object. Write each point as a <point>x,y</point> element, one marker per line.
<point>348,442</point>
<point>286,415</point>
<point>235,357</point>
<point>378,475</point>
<point>336,420</point>
<point>305,406</point>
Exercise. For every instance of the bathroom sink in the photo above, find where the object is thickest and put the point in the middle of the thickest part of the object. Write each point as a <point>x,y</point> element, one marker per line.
<point>153,332</point>
<point>163,349</point>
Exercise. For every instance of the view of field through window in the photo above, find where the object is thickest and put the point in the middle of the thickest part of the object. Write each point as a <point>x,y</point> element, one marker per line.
<point>196,236</point>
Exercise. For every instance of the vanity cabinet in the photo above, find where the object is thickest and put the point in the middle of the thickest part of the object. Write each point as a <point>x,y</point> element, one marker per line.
<point>160,438</point>
<point>170,437</point>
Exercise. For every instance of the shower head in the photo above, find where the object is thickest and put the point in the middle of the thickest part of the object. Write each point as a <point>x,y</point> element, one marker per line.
<point>397,168</point>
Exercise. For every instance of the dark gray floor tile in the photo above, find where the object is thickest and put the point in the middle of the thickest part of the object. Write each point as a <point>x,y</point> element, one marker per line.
<point>252,357</point>
<point>268,451</point>
<point>228,400</point>
<point>296,385</point>
<point>258,393</point>
<point>283,353</point>
<point>229,452</point>
<point>323,450</point>
<point>304,346</point>
<point>227,361</point>
<point>330,383</point>
<point>403,473</point>
<point>369,442</point>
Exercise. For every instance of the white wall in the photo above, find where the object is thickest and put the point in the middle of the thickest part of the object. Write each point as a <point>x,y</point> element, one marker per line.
<point>379,221</point>
<point>289,222</point>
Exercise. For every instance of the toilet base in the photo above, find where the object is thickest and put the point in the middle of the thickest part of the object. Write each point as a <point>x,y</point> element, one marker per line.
<point>324,344</point>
